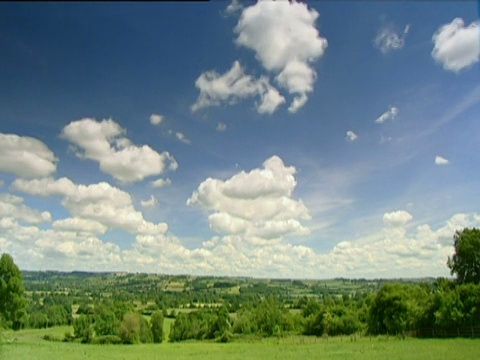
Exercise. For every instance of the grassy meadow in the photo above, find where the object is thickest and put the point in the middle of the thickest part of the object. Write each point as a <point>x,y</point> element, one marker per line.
<point>29,344</point>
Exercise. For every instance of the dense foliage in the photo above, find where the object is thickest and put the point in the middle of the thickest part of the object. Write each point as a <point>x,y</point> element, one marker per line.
<point>13,304</point>
<point>465,263</point>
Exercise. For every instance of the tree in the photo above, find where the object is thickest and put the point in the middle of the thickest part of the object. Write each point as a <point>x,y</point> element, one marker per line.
<point>134,329</point>
<point>156,325</point>
<point>397,308</point>
<point>83,328</point>
<point>105,321</point>
<point>272,317</point>
<point>465,262</point>
<point>13,304</point>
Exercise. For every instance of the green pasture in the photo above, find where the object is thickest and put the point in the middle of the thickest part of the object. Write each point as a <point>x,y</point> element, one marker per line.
<point>29,344</point>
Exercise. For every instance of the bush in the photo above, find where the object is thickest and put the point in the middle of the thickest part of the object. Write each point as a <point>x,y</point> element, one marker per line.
<point>225,337</point>
<point>107,339</point>
<point>200,325</point>
<point>68,337</point>
<point>50,337</point>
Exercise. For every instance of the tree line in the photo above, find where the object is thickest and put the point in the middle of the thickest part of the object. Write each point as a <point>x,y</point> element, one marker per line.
<point>442,308</point>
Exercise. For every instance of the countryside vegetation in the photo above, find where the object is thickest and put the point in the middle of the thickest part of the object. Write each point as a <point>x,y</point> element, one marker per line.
<point>78,308</point>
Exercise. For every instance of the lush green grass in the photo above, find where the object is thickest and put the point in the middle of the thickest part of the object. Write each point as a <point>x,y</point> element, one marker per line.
<point>28,344</point>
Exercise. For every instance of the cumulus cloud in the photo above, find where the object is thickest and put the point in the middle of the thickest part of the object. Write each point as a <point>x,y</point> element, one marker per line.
<point>257,204</point>
<point>159,183</point>
<point>13,207</point>
<point>391,252</point>
<point>285,41</point>
<point>457,46</point>
<point>351,136</point>
<point>439,160</point>
<point>395,252</point>
<point>388,39</point>
<point>234,85</point>
<point>156,119</point>
<point>100,202</point>
<point>150,202</point>
<point>79,225</point>
<point>397,218</point>
<point>390,114</point>
<point>251,246</point>
<point>25,156</point>
<point>221,127</point>
<point>104,142</point>
<point>59,249</point>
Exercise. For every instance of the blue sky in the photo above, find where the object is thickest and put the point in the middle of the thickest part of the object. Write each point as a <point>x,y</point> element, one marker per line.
<point>270,139</point>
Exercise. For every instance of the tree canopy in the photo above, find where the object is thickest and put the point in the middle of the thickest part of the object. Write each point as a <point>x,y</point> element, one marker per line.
<point>13,304</point>
<point>465,262</point>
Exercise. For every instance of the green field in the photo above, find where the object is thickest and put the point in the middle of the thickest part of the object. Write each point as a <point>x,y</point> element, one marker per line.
<point>28,344</point>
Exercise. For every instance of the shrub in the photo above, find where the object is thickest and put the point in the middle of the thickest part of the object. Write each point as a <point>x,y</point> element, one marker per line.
<point>107,339</point>
<point>50,337</point>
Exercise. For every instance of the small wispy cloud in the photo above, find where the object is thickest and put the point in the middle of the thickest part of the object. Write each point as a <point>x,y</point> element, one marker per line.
<point>150,202</point>
<point>390,114</point>
<point>387,39</point>
<point>439,160</point>
<point>233,7</point>
<point>156,119</point>
<point>180,136</point>
<point>351,136</point>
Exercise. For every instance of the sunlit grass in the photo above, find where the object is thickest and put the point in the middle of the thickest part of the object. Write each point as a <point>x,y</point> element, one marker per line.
<point>29,344</point>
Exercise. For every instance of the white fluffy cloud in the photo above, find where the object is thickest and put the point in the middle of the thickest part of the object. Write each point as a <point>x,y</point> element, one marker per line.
<point>12,206</point>
<point>156,119</point>
<point>74,248</point>
<point>25,156</point>
<point>391,252</point>
<point>397,218</point>
<point>257,204</point>
<point>234,85</point>
<point>159,183</point>
<point>253,243</point>
<point>285,41</point>
<point>387,39</point>
<point>100,202</point>
<point>439,160</point>
<point>351,136</point>
<point>104,141</point>
<point>390,114</point>
<point>394,252</point>
<point>79,225</point>
<point>457,46</point>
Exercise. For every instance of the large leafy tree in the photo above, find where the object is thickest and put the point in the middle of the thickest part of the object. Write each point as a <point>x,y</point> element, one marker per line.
<point>397,308</point>
<point>465,262</point>
<point>13,304</point>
